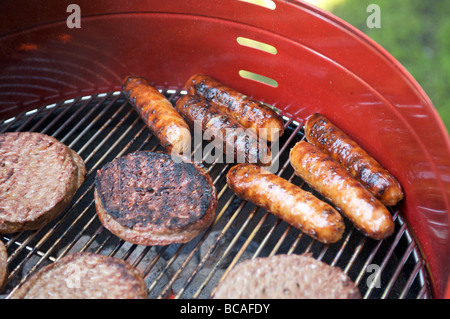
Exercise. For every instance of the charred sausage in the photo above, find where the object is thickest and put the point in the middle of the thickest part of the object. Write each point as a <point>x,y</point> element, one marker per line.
<point>334,182</point>
<point>158,114</point>
<point>287,201</point>
<point>321,132</point>
<point>235,139</point>
<point>250,113</point>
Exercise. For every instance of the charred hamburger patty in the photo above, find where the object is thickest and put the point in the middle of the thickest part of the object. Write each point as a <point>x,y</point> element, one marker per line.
<point>286,277</point>
<point>84,276</point>
<point>149,199</point>
<point>38,178</point>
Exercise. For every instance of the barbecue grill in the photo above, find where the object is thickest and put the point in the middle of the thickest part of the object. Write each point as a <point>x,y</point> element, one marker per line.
<point>65,82</point>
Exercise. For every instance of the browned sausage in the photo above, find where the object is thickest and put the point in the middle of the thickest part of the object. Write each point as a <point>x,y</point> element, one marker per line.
<point>250,113</point>
<point>334,182</point>
<point>330,139</point>
<point>287,201</point>
<point>158,114</point>
<point>234,138</point>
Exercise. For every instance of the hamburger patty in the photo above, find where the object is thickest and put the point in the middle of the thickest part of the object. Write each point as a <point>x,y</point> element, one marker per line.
<point>286,277</point>
<point>84,276</point>
<point>38,178</point>
<point>3,264</point>
<point>149,199</point>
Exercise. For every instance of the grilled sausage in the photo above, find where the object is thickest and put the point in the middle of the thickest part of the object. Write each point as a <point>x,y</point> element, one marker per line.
<point>330,139</point>
<point>287,201</point>
<point>243,144</point>
<point>158,114</point>
<point>333,181</point>
<point>263,120</point>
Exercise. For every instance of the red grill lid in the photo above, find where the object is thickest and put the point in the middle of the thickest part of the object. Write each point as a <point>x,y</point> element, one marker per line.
<point>321,64</point>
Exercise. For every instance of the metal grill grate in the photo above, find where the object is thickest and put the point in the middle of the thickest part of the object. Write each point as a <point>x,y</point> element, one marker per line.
<point>105,126</point>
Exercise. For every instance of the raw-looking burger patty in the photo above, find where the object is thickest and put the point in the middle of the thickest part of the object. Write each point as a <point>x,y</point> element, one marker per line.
<point>148,198</point>
<point>38,178</point>
<point>84,276</point>
<point>286,277</point>
<point>3,264</point>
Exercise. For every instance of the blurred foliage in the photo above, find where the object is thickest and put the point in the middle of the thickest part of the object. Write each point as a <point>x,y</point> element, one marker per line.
<point>417,34</point>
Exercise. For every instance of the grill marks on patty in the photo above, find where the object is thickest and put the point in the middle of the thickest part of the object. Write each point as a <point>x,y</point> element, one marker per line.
<point>150,191</point>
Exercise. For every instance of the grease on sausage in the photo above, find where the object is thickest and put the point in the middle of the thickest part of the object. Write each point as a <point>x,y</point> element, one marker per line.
<point>235,139</point>
<point>250,113</point>
<point>321,132</point>
<point>287,201</point>
<point>158,114</point>
<point>334,182</point>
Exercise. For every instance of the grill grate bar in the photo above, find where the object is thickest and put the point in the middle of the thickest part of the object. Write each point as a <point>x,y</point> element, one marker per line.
<point>90,123</point>
<point>104,126</point>
<point>30,118</point>
<point>65,109</point>
<point>414,274</point>
<point>397,271</point>
<point>236,237</point>
<point>11,122</point>
<point>71,119</point>
<point>423,293</point>
<point>97,133</point>
<point>384,263</point>
<point>48,112</point>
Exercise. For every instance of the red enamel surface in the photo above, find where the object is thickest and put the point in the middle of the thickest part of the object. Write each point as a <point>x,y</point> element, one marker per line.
<point>322,65</point>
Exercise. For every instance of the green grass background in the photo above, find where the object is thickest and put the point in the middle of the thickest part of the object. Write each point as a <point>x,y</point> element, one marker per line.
<point>416,33</point>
